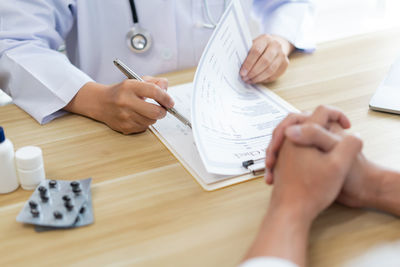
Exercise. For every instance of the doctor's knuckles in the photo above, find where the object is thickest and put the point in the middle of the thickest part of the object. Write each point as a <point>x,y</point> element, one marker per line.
<point>123,106</point>
<point>267,59</point>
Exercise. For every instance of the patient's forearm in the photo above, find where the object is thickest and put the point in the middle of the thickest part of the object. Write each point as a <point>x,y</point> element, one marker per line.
<point>283,234</point>
<point>387,197</point>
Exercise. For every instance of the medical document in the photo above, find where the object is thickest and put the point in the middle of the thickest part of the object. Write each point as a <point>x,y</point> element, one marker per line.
<point>232,121</point>
<point>179,138</point>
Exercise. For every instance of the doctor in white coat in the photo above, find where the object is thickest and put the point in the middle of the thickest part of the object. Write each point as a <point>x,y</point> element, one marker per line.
<point>46,83</point>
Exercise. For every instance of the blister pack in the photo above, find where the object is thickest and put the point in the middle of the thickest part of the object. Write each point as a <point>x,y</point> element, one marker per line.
<point>59,204</point>
<point>85,217</point>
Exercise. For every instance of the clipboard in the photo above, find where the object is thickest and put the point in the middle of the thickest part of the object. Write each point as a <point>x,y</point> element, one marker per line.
<point>170,126</point>
<point>225,182</point>
<point>219,67</point>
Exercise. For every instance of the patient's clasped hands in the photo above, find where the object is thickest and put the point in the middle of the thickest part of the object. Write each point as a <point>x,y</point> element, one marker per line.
<point>312,160</point>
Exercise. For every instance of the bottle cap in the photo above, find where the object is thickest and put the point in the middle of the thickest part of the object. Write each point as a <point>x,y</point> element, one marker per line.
<point>2,135</point>
<point>29,157</point>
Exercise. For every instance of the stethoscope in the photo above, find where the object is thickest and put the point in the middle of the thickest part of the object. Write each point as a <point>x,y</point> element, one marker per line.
<point>139,39</point>
<point>212,24</point>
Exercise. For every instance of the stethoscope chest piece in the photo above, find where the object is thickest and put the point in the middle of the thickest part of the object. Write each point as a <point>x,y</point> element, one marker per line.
<point>138,39</point>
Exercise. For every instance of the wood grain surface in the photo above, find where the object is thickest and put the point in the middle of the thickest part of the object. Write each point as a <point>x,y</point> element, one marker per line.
<point>149,211</point>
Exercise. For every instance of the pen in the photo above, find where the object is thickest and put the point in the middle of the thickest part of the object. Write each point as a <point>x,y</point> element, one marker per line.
<point>250,162</point>
<point>132,75</point>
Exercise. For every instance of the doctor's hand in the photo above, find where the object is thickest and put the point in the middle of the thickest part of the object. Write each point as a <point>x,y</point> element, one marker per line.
<point>122,106</point>
<point>266,60</point>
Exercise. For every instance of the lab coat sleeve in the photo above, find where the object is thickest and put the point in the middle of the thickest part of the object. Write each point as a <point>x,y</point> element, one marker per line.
<point>39,79</point>
<point>267,262</point>
<point>290,19</point>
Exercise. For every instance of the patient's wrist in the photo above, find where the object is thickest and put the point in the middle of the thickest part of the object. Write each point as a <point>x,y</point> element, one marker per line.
<point>290,208</point>
<point>387,194</point>
<point>283,233</point>
<point>367,193</point>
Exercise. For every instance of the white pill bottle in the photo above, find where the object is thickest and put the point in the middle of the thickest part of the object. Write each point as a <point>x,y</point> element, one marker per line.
<point>8,175</point>
<point>30,167</point>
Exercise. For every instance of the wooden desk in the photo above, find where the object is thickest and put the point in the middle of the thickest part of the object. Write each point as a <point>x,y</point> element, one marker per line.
<point>150,212</point>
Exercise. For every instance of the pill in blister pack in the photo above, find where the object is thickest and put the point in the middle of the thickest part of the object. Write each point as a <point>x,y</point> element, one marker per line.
<point>59,204</point>
<point>85,217</point>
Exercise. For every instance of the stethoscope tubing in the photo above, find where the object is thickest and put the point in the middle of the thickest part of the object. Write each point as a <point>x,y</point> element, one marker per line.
<point>138,35</point>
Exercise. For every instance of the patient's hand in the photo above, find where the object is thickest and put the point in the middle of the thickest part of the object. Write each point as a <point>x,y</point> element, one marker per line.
<point>362,181</point>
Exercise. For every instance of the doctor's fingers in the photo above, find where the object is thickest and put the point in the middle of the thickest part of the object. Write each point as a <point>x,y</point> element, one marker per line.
<point>128,122</point>
<point>273,71</point>
<point>159,81</point>
<point>149,90</point>
<point>256,51</point>
<point>272,56</point>
<point>141,121</point>
<point>281,70</point>
<point>261,60</point>
<point>135,124</point>
<point>147,110</point>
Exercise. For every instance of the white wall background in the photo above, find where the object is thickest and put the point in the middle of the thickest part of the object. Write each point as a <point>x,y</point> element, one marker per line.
<point>338,19</point>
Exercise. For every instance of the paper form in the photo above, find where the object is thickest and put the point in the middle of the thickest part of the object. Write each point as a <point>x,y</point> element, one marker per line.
<point>232,121</point>
<point>179,137</point>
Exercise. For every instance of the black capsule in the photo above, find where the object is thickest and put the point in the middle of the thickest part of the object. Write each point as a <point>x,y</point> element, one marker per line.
<point>32,204</point>
<point>75,184</point>
<point>53,184</point>
<point>69,206</point>
<point>44,198</point>
<point>43,193</point>
<point>66,198</point>
<point>35,212</point>
<point>77,191</point>
<point>42,189</point>
<point>77,220</point>
<point>82,210</point>
<point>58,215</point>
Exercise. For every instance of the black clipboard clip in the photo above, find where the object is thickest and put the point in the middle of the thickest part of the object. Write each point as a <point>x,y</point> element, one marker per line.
<point>255,166</point>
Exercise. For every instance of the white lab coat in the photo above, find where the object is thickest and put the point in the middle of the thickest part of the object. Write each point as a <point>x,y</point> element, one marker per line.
<point>42,80</point>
